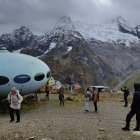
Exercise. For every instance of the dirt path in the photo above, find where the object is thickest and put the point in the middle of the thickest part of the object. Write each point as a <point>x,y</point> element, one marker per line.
<point>52,122</point>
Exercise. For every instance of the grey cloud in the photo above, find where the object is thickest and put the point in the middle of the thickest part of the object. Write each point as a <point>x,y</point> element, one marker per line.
<point>36,14</point>
<point>129,9</point>
<point>33,13</point>
<point>101,10</point>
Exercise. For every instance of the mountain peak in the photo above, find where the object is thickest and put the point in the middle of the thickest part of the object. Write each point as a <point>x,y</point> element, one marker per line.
<point>65,19</point>
<point>120,20</point>
<point>64,23</point>
<point>21,32</point>
<point>22,29</point>
<point>124,26</point>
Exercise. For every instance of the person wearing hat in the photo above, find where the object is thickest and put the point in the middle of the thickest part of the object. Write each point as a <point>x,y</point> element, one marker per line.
<point>15,100</point>
<point>135,109</point>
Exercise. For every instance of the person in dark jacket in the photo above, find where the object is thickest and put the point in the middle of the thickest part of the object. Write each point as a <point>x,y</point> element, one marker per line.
<point>47,89</point>
<point>95,98</point>
<point>135,109</point>
<point>61,97</point>
<point>126,93</point>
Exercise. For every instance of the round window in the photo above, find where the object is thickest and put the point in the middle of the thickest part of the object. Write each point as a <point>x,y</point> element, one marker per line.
<point>39,76</point>
<point>3,80</point>
<point>20,79</point>
<point>48,74</point>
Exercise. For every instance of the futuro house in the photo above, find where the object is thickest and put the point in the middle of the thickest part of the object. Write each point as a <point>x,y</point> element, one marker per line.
<point>24,72</point>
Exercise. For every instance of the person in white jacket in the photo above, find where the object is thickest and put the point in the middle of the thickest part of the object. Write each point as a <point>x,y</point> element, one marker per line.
<point>87,100</point>
<point>15,100</point>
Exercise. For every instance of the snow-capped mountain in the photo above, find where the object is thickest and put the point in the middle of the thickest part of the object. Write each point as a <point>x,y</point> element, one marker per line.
<point>110,46</point>
<point>19,38</point>
<point>122,23</point>
<point>138,30</point>
<point>90,53</point>
<point>64,28</point>
<point>64,24</point>
<point>117,30</point>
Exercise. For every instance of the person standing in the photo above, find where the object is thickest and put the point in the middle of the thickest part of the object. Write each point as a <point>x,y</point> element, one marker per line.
<point>61,97</point>
<point>98,94</point>
<point>15,100</point>
<point>47,89</point>
<point>126,93</point>
<point>88,95</point>
<point>135,109</point>
<point>94,98</point>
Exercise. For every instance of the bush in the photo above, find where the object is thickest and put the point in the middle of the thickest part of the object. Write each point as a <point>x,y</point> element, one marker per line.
<point>69,99</point>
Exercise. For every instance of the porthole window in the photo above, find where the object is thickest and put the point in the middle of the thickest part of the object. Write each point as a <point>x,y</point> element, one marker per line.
<point>3,80</point>
<point>20,79</point>
<point>48,74</point>
<point>39,76</point>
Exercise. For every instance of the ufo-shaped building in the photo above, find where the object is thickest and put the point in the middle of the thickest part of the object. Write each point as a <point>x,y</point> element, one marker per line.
<point>24,72</point>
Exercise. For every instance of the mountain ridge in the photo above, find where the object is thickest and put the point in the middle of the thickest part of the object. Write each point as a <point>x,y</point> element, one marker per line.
<point>117,30</point>
<point>88,60</point>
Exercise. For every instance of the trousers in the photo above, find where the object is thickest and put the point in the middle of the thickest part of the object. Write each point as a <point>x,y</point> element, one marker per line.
<point>130,116</point>
<point>125,100</point>
<point>61,102</point>
<point>87,104</point>
<point>95,105</point>
<point>11,111</point>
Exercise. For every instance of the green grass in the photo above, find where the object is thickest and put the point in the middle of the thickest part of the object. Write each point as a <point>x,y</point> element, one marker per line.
<point>30,103</point>
<point>133,79</point>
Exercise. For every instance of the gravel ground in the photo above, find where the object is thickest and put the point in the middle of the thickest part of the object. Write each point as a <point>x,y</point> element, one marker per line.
<point>52,122</point>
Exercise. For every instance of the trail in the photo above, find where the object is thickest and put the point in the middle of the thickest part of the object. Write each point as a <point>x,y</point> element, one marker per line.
<point>52,122</point>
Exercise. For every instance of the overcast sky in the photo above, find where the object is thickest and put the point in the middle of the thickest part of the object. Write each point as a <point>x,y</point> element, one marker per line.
<point>39,15</point>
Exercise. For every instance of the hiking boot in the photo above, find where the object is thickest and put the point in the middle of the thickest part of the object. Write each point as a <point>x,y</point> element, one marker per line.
<point>136,129</point>
<point>125,128</point>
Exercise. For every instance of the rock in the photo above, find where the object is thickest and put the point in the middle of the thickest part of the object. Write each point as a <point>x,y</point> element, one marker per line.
<point>17,136</point>
<point>47,139</point>
<point>99,120</point>
<point>137,133</point>
<point>101,129</point>
<point>32,138</point>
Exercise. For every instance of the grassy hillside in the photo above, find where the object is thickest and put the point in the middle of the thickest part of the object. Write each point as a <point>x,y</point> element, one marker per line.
<point>133,78</point>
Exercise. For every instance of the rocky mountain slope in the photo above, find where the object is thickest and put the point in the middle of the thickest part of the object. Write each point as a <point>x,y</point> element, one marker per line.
<point>19,38</point>
<point>72,56</point>
<point>89,54</point>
